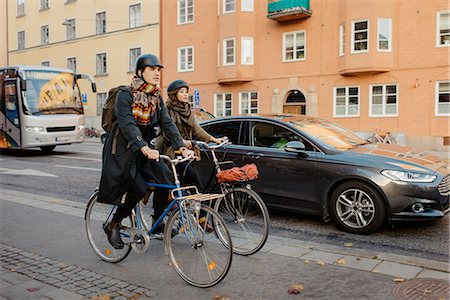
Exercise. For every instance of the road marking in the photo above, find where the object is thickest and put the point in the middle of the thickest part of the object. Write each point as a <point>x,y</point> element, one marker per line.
<point>79,168</point>
<point>75,157</point>
<point>25,172</point>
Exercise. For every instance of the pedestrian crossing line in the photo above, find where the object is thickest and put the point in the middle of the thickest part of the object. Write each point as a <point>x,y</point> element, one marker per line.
<point>78,168</point>
<point>76,157</point>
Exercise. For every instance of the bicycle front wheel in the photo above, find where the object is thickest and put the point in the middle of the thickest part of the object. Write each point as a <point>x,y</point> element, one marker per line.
<point>247,218</point>
<point>97,215</point>
<point>196,253</point>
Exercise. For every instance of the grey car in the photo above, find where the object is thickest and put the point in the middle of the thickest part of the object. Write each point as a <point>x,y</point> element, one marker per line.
<point>314,166</point>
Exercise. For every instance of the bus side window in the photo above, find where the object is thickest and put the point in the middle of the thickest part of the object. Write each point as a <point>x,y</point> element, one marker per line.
<point>12,111</point>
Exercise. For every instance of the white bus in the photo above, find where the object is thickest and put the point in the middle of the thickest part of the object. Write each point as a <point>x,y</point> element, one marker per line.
<point>40,107</point>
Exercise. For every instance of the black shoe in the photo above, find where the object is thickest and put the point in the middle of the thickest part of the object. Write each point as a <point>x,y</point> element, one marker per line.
<point>114,235</point>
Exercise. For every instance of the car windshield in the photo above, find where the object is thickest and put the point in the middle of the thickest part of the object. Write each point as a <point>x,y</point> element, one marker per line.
<point>329,133</point>
<point>51,92</point>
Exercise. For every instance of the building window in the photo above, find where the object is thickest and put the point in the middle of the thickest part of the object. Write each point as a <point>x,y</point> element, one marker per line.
<point>185,11</point>
<point>70,1</point>
<point>443,31</point>
<point>135,15</point>
<point>222,105</point>
<point>341,40</point>
<point>247,5</point>
<point>100,23</point>
<point>384,35</point>
<point>360,36</point>
<point>101,99</point>
<point>346,101</point>
<point>443,98</point>
<point>71,29</point>
<point>72,64</point>
<point>45,63</point>
<point>247,51</point>
<point>228,52</point>
<point>132,56</point>
<point>185,59</point>
<point>44,5</point>
<point>229,6</point>
<point>45,35</point>
<point>20,8</point>
<point>101,64</point>
<point>21,40</point>
<point>383,100</point>
<point>248,103</point>
<point>294,46</point>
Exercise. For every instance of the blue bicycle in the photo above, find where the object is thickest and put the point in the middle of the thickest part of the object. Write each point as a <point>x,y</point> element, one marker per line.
<point>200,256</point>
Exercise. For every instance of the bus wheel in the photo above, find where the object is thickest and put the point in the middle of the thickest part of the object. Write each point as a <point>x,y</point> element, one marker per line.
<point>47,149</point>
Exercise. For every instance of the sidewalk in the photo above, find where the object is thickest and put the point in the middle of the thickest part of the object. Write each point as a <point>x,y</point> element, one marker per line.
<point>28,275</point>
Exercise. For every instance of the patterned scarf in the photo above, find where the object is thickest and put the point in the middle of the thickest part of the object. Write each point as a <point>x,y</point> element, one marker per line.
<point>145,100</point>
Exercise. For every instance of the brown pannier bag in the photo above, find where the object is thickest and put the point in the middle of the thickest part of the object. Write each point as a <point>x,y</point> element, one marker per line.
<point>245,173</point>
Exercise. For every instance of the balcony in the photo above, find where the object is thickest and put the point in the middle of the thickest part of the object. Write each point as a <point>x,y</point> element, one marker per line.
<point>287,10</point>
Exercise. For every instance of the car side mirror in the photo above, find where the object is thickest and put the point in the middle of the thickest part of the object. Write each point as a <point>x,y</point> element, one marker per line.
<point>295,147</point>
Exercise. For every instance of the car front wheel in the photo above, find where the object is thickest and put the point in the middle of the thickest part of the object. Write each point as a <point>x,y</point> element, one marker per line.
<point>358,208</point>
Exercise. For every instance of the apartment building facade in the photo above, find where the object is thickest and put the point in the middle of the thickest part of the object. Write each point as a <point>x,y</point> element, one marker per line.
<point>3,34</point>
<point>368,65</point>
<point>96,37</point>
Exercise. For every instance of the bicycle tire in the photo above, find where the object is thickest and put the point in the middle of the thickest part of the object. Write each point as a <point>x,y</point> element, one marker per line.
<point>247,218</point>
<point>206,262</point>
<point>146,212</point>
<point>95,216</point>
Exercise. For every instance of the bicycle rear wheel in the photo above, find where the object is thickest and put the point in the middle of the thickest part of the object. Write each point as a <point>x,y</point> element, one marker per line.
<point>197,255</point>
<point>247,218</point>
<point>96,216</point>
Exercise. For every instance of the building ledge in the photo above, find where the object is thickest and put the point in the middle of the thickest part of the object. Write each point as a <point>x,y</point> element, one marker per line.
<point>233,80</point>
<point>369,70</point>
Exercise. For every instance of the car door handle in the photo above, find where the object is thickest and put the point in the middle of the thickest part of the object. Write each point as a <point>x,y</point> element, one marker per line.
<point>254,155</point>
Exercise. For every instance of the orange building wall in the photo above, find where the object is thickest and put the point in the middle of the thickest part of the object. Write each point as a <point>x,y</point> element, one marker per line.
<point>414,63</point>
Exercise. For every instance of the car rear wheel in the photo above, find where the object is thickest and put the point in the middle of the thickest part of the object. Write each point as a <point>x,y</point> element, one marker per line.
<point>358,208</point>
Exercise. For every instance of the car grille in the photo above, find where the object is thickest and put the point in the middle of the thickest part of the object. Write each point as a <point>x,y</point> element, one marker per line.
<point>444,186</point>
<point>57,129</point>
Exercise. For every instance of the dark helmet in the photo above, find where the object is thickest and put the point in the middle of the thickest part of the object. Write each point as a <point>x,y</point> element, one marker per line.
<point>147,60</point>
<point>175,85</point>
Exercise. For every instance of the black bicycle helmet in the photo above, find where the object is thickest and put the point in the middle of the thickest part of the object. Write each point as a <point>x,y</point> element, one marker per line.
<point>147,60</point>
<point>175,85</point>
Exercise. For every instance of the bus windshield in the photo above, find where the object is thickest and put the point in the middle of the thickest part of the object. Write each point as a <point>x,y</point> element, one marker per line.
<point>51,92</point>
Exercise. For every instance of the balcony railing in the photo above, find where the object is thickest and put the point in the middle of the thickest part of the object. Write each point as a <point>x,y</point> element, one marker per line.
<point>286,10</point>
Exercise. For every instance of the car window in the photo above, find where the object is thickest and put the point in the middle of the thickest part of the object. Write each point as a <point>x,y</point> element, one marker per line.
<point>228,129</point>
<point>273,136</point>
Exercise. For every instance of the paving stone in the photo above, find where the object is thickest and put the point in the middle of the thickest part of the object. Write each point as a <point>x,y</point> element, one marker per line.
<point>321,256</point>
<point>13,277</point>
<point>433,274</point>
<point>359,263</point>
<point>122,284</point>
<point>59,294</point>
<point>289,251</point>
<point>4,284</point>
<point>397,270</point>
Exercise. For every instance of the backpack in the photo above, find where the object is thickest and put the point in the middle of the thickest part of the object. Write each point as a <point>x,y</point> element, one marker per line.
<point>109,118</point>
<point>245,173</point>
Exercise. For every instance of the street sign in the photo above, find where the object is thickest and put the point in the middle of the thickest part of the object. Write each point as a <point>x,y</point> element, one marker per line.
<point>196,98</point>
<point>84,98</point>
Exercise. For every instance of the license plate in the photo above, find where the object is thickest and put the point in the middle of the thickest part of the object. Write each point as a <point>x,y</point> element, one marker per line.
<point>62,138</point>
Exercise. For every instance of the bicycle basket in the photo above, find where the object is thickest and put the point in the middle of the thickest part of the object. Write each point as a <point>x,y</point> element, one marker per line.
<point>245,173</point>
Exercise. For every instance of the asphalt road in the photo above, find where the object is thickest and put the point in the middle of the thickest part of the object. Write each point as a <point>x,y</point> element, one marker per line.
<point>72,173</point>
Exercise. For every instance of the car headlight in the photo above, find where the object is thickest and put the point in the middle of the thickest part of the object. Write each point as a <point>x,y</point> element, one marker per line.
<point>34,128</point>
<point>408,176</point>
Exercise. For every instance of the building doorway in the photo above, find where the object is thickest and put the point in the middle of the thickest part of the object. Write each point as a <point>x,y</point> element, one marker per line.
<point>295,103</point>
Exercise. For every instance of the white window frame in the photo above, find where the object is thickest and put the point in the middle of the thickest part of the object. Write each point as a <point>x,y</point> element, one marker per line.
<point>69,64</point>
<point>132,60</point>
<point>389,38</point>
<point>341,39</point>
<point>137,20</point>
<point>101,23</point>
<point>71,32</point>
<point>294,33</point>
<point>101,99</point>
<point>106,64</point>
<point>438,30</point>
<point>347,102</point>
<point>44,4</point>
<point>384,101</point>
<point>20,8</point>
<point>45,63</point>
<point>20,40</point>
<point>247,5</point>
<point>224,7</point>
<point>187,4</point>
<point>250,50</point>
<point>225,63</point>
<point>223,108</point>
<point>436,112</point>
<point>249,103</point>
<point>45,37</point>
<point>183,66</point>
<point>352,49</point>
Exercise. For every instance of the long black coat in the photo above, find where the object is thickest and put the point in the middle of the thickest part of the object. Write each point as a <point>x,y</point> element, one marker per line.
<point>124,168</point>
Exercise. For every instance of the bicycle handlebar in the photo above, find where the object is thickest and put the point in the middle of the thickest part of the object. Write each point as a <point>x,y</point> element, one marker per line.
<point>216,146</point>
<point>176,160</point>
